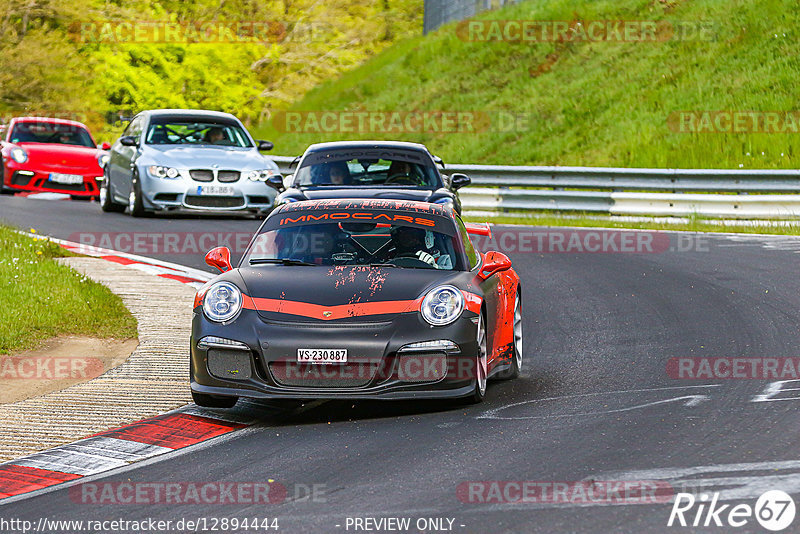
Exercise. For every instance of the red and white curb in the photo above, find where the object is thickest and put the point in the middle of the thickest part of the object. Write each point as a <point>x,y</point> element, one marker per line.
<point>164,269</point>
<point>123,446</point>
<point>113,449</point>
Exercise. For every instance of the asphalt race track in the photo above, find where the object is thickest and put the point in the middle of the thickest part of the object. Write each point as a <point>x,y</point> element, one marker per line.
<point>595,401</point>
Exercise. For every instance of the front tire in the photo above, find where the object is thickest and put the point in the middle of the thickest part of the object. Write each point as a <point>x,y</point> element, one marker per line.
<point>3,189</point>
<point>516,357</point>
<point>480,362</point>
<point>136,200</point>
<point>107,203</point>
<point>210,401</point>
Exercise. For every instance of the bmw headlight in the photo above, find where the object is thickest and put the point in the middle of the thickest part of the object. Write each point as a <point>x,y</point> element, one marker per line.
<point>442,305</point>
<point>222,302</point>
<point>163,172</point>
<point>19,155</point>
<point>260,175</point>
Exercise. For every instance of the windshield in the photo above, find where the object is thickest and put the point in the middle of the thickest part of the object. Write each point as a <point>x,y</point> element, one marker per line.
<point>368,172</point>
<point>329,243</point>
<point>189,132</point>
<point>53,133</point>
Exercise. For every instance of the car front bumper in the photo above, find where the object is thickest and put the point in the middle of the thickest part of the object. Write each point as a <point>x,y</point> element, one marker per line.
<point>380,364</point>
<point>27,177</point>
<point>187,194</point>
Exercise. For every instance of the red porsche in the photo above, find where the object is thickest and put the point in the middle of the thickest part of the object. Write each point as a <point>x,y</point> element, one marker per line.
<point>54,155</point>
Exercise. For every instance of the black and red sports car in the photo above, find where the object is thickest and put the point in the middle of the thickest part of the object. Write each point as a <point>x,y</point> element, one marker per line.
<point>53,155</point>
<point>357,299</point>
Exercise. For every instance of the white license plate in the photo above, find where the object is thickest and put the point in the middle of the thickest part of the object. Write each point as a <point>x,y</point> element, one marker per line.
<point>216,190</point>
<point>70,179</point>
<point>322,355</point>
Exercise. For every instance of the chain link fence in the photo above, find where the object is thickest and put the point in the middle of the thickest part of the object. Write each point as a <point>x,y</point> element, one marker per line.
<point>438,12</point>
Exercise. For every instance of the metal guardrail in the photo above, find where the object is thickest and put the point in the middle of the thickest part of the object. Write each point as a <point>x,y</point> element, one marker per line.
<point>711,193</point>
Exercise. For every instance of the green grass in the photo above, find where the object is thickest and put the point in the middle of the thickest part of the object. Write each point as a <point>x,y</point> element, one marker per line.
<point>693,224</point>
<point>596,104</point>
<point>42,299</point>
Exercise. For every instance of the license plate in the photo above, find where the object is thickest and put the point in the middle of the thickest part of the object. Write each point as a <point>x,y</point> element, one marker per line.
<point>70,179</point>
<point>322,355</point>
<point>216,190</point>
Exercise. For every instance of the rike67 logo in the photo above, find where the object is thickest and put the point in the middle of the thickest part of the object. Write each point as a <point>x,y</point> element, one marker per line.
<point>774,510</point>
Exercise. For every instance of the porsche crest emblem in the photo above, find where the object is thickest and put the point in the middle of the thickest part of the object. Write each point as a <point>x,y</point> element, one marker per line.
<point>327,313</point>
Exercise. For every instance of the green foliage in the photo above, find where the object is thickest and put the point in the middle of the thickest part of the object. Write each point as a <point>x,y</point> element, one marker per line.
<point>588,103</point>
<point>75,59</point>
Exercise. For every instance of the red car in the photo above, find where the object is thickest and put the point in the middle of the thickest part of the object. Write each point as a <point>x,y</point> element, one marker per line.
<point>55,155</point>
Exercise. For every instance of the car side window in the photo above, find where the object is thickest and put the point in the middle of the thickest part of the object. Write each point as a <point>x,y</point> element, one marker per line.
<point>472,255</point>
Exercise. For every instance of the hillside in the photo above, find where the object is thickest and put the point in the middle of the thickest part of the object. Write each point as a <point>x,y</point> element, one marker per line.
<point>601,103</point>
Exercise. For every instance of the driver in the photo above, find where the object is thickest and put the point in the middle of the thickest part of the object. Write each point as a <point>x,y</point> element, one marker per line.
<point>214,136</point>
<point>409,242</point>
<point>401,171</point>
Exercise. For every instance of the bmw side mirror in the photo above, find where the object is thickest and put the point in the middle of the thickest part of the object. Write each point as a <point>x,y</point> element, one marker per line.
<point>458,180</point>
<point>105,145</point>
<point>493,262</point>
<point>128,140</point>
<point>219,258</point>
<point>276,182</point>
<point>265,145</point>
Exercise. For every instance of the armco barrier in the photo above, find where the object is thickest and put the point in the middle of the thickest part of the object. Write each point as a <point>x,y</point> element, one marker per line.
<point>729,194</point>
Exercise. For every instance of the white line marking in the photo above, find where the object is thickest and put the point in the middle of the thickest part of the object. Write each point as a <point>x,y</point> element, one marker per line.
<point>692,401</point>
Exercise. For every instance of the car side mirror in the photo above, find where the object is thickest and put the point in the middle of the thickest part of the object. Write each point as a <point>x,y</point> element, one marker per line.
<point>105,145</point>
<point>459,180</point>
<point>265,145</point>
<point>493,262</point>
<point>276,182</point>
<point>478,229</point>
<point>219,258</point>
<point>128,140</point>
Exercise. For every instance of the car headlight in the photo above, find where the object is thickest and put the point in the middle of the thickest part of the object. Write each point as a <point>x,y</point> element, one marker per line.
<point>222,302</point>
<point>102,160</point>
<point>163,172</point>
<point>19,155</point>
<point>260,175</point>
<point>442,305</point>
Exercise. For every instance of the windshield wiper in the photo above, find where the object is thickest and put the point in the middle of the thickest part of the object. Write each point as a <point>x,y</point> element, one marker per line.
<point>279,261</point>
<point>383,265</point>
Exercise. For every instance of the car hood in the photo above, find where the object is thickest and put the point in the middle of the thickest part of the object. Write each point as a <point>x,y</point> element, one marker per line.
<point>190,157</point>
<point>346,292</point>
<point>61,156</point>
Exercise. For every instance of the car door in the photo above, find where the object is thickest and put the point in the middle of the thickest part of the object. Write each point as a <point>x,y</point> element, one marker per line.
<point>122,160</point>
<point>490,288</point>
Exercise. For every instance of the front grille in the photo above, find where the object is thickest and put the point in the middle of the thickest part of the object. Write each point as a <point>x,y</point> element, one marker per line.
<point>166,197</point>
<point>259,200</point>
<point>20,179</point>
<point>213,202</point>
<point>47,184</point>
<point>349,375</point>
<point>230,364</point>
<point>228,176</point>
<point>202,175</point>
